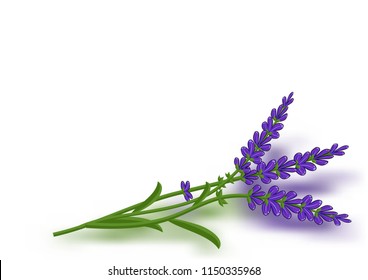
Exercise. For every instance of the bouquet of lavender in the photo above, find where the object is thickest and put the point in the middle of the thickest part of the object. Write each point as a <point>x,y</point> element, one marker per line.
<point>248,168</point>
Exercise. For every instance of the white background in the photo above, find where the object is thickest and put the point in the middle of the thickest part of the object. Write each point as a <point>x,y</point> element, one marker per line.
<point>101,99</point>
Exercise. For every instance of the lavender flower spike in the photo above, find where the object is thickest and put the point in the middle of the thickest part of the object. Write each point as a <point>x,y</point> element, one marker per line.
<point>287,203</point>
<point>282,167</point>
<point>270,130</point>
<point>185,187</point>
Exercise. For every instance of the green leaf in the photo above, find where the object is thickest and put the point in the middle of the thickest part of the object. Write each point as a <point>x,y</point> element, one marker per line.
<point>229,177</point>
<point>204,194</point>
<point>221,201</point>
<point>126,222</point>
<point>200,230</point>
<point>151,199</point>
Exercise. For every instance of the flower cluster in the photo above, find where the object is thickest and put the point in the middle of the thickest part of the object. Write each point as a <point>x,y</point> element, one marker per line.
<point>279,202</point>
<point>185,188</point>
<point>282,167</point>
<point>276,201</point>
<point>270,130</point>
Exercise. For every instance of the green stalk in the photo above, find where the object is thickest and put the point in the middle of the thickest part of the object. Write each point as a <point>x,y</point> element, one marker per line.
<point>123,212</point>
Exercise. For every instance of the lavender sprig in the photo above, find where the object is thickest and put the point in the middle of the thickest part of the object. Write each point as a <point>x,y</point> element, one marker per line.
<point>282,168</point>
<point>286,203</point>
<point>274,200</point>
<point>270,130</point>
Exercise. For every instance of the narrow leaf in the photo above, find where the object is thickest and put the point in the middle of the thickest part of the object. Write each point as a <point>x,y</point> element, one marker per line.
<point>200,230</point>
<point>123,223</point>
<point>204,194</point>
<point>221,201</point>
<point>151,199</point>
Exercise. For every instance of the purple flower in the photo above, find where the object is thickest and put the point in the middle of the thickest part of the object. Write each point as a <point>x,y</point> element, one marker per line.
<point>251,154</point>
<point>185,187</point>
<point>261,141</point>
<point>265,171</point>
<point>324,214</point>
<point>341,218</point>
<point>307,205</point>
<point>286,203</point>
<point>287,101</point>
<point>320,157</point>
<point>272,129</point>
<point>250,176</point>
<point>242,163</point>
<point>283,167</point>
<point>338,151</point>
<point>280,115</point>
<point>270,201</point>
<point>289,203</point>
<point>254,197</point>
<point>301,163</point>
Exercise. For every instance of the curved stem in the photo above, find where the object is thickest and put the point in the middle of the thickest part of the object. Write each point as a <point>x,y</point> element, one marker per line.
<point>185,211</point>
<point>217,184</point>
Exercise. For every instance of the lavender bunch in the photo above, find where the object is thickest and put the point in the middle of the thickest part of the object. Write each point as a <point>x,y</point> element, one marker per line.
<point>248,168</point>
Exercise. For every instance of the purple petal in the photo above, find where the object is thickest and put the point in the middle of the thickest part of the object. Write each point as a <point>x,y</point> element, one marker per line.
<point>310,166</point>
<point>257,200</point>
<point>326,217</point>
<point>273,112</point>
<point>278,195</point>
<point>307,199</point>
<point>305,157</point>
<point>337,222</point>
<point>301,171</point>
<point>277,126</point>
<point>315,151</point>
<point>297,157</point>
<point>283,117</point>
<point>301,216</point>
<point>282,160</point>
<point>266,180</point>
<point>271,175</point>
<point>273,190</point>
<point>275,135</point>
<point>276,209</point>
<point>308,213</point>
<point>251,146</point>
<point>315,204</point>
<point>251,205</point>
<point>256,137</point>
<point>318,220</point>
<point>256,188</point>
<point>266,209</point>
<point>258,154</point>
<point>321,162</point>
<point>271,165</point>
<point>293,208</point>
<point>284,175</point>
<point>286,213</point>
<point>266,147</point>
<point>326,208</point>
<point>236,161</point>
<point>291,195</point>
<point>244,151</point>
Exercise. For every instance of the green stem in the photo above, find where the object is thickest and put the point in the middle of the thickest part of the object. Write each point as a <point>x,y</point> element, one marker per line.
<point>216,184</point>
<point>180,213</point>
